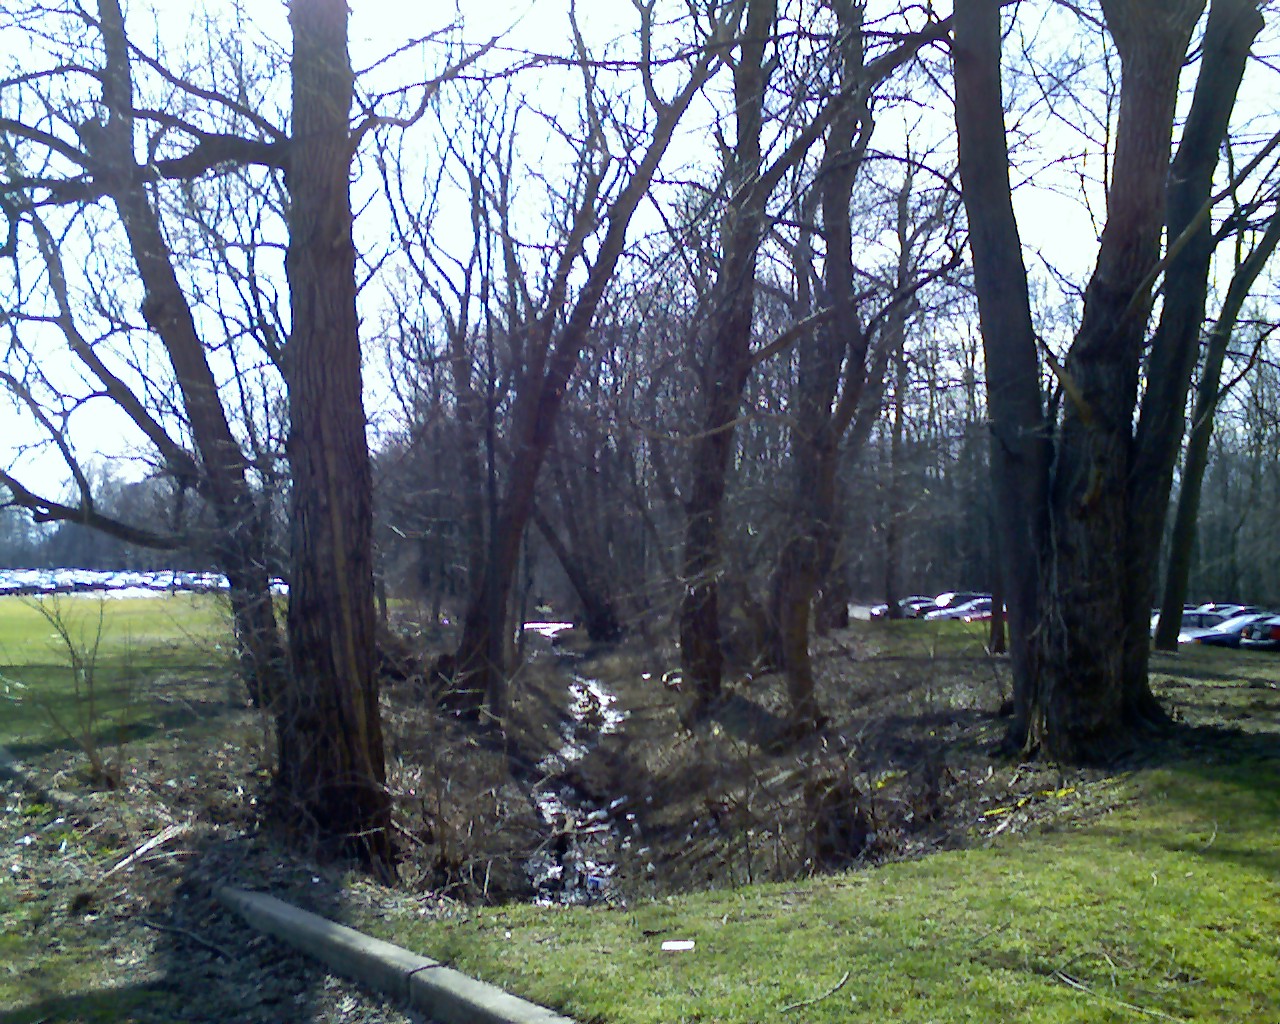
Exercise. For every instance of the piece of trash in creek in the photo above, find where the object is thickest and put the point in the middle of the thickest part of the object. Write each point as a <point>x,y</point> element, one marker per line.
<point>678,945</point>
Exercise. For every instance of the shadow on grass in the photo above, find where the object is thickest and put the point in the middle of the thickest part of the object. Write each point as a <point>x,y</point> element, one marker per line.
<point>106,1005</point>
<point>113,736</point>
<point>182,956</point>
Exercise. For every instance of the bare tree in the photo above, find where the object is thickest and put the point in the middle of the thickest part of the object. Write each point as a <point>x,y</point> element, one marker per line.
<point>727,354</point>
<point>547,321</point>
<point>212,462</point>
<point>1082,494</point>
<point>1208,395</point>
<point>330,769</point>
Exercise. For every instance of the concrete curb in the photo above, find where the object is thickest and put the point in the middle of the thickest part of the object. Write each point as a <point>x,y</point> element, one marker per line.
<point>440,992</point>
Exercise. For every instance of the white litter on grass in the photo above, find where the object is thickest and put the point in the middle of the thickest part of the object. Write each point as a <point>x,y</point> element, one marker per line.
<point>678,945</point>
<point>548,629</point>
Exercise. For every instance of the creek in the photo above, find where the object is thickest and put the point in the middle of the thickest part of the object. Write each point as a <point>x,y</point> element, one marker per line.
<point>576,864</point>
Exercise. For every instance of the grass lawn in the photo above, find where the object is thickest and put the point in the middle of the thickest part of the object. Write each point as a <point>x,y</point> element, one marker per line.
<point>130,644</point>
<point>1167,909</point>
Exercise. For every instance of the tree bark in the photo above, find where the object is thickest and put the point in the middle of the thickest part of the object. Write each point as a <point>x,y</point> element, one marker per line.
<point>332,762</point>
<point>1019,448</point>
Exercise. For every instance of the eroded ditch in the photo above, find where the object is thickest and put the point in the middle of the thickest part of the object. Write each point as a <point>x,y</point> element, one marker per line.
<point>577,861</point>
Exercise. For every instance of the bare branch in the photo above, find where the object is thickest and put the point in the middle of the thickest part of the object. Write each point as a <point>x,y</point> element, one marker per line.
<point>45,510</point>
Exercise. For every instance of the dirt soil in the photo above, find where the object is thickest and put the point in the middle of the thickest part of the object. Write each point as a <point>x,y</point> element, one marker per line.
<point>115,885</point>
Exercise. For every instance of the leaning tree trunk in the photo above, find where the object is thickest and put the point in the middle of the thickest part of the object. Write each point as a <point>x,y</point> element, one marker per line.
<point>1184,524</point>
<point>332,763</point>
<point>1229,34</point>
<point>220,476</point>
<point>599,612</point>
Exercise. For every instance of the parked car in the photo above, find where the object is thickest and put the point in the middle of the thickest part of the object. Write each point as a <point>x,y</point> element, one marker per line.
<point>1224,634</point>
<point>917,607</point>
<point>1263,635</point>
<point>912,608</point>
<point>979,611</point>
<point>1229,609</point>
<point>953,598</point>
<point>1192,620</point>
<point>960,611</point>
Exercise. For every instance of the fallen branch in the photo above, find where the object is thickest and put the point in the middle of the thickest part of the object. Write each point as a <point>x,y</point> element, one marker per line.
<point>158,840</point>
<point>817,999</point>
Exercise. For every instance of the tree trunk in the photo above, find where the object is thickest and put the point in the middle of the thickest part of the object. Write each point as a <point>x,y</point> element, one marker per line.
<point>1082,690</point>
<point>599,613</point>
<point>1231,29</point>
<point>727,366</point>
<point>894,503</point>
<point>1182,541</point>
<point>1019,447</point>
<point>1093,589</point>
<point>556,342</point>
<point>220,474</point>
<point>332,762</point>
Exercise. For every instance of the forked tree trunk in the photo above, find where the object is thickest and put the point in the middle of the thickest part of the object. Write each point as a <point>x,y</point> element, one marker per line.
<point>1080,679</point>
<point>332,762</point>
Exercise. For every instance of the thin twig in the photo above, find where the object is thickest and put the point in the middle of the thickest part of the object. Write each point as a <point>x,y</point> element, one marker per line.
<point>1080,986</point>
<point>186,933</point>
<point>817,999</point>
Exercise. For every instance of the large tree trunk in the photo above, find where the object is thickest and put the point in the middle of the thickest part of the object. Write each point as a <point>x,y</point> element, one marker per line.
<point>332,761</point>
<point>1019,446</point>
<point>1092,588</point>
<point>1105,500</point>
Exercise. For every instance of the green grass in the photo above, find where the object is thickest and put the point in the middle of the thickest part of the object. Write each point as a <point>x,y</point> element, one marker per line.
<point>916,638</point>
<point>1168,908</point>
<point>140,640</point>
